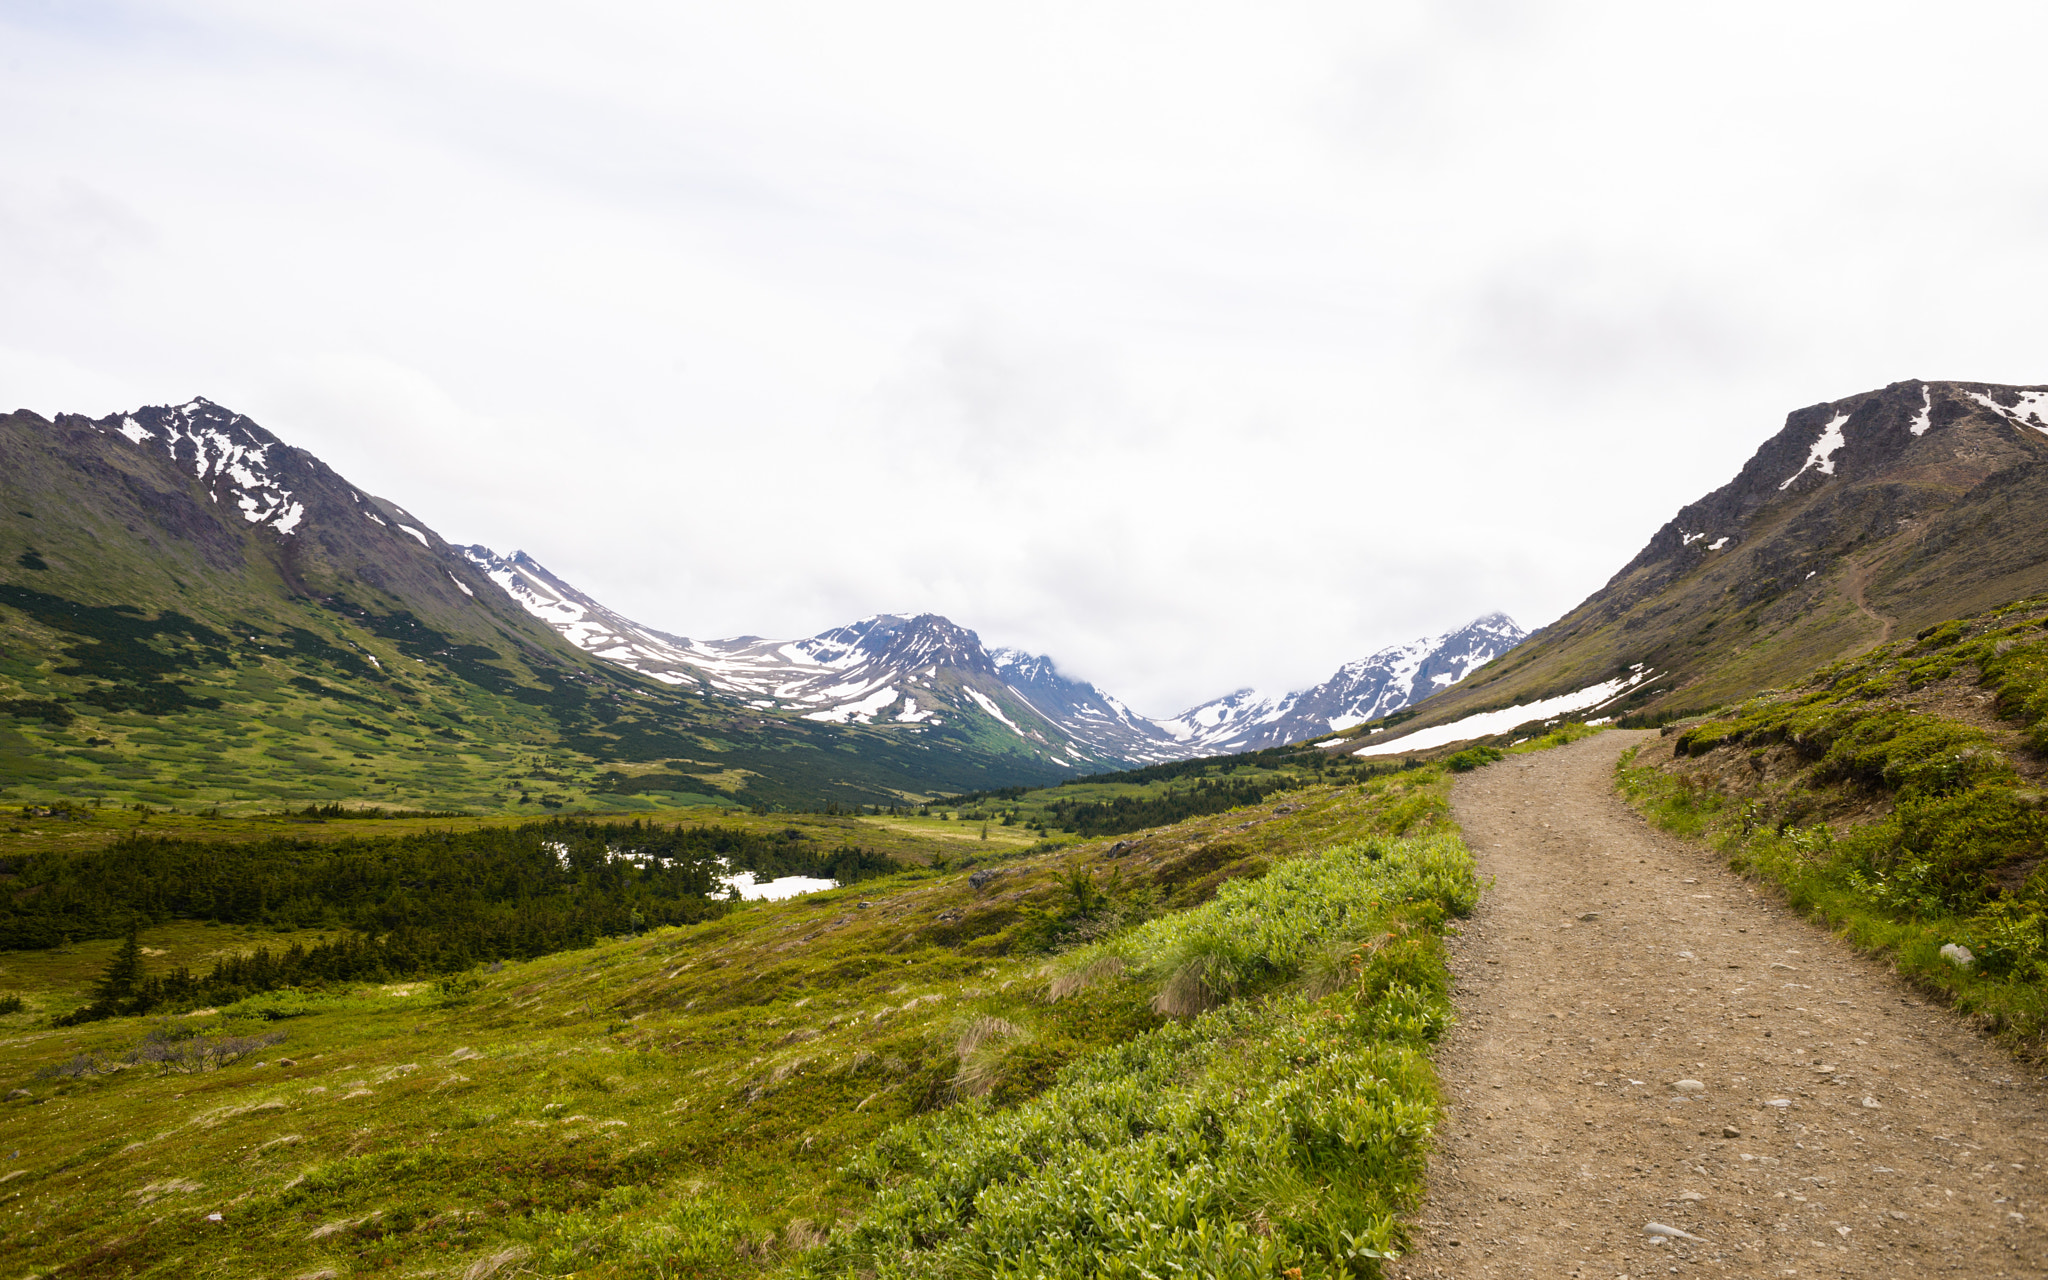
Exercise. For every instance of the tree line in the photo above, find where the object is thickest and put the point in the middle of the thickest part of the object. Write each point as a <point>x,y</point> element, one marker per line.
<point>1135,813</point>
<point>431,902</point>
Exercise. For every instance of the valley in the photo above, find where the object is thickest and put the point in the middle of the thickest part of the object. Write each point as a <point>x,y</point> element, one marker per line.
<point>699,1100</point>
<point>379,904</point>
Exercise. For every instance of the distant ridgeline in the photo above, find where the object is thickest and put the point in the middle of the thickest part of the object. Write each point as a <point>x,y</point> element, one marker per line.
<point>431,903</point>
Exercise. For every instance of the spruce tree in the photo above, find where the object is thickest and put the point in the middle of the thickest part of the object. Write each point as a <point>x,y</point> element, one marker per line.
<point>123,976</point>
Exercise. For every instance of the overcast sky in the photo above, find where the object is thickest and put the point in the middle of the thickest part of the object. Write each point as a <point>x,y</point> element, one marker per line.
<point>1195,345</point>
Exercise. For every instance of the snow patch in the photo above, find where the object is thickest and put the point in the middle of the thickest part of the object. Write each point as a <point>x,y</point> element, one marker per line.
<point>1718,543</point>
<point>753,890</point>
<point>1822,456</point>
<point>860,711</point>
<point>2029,412</point>
<point>459,583</point>
<point>1926,415</point>
<point>406,528</point>
<point>987,705</point>
<point>1487,723</point>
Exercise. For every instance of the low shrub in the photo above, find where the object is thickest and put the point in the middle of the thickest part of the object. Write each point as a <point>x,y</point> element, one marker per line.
<point>1473,758</point>
<point>1246,1138</point>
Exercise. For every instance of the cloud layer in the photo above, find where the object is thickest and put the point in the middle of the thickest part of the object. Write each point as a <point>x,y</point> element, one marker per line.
<point>1198,346</point>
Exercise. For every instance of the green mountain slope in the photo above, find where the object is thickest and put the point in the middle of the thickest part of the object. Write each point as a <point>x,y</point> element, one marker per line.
<point>193,613</point>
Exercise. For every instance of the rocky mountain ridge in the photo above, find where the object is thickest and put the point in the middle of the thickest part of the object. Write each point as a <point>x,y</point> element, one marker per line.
<point>895,670</point>
<point>1861,520</point>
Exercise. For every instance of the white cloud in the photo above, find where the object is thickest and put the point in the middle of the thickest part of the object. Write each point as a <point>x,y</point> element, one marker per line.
<point>1198,346</point>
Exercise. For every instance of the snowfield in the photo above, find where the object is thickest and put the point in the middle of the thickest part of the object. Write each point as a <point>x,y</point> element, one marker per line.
<point>1487,723</point>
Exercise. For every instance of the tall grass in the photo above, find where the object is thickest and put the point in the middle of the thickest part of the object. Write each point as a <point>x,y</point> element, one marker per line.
<point>1258,1135</point>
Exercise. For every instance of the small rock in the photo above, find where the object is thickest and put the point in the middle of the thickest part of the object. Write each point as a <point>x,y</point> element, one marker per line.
<point>287,1062</point>
<point>1958,955</point>
<point>863,904</point>
<point>12,1094</point>
<point>1661,1231</point>
<point>2016,1218</point>
<point>1120,848</point>
<point>1689,1086</point>
<point>1692,1195</point>
<point>1872,1103</point>
<point>977,880</point>
<point>1590,915</point>
<point>213,1217</point>
<point>1730,1131</point>
<point>1779,1102</point>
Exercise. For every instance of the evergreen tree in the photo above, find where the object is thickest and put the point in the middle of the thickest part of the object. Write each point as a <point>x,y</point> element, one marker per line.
<point>117,986</point>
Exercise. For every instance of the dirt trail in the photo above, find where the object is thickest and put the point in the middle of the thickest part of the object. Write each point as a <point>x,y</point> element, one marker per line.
<point>1859,582</point>
<point>1846,1127</point>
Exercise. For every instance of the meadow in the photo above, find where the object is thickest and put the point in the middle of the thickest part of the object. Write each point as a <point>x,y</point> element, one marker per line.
<point>828,1085</point>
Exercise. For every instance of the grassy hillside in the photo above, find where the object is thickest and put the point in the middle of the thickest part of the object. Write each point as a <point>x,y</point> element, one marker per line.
<point>1899,797</point>
<point>292,705</point>
<point>158,647</point>
<point>1209,1048</point>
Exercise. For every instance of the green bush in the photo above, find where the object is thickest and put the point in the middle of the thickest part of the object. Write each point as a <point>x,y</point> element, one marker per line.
<point>1474,757</point>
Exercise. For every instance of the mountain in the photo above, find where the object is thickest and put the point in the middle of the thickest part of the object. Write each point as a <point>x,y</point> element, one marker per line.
<point>193,612</point>
<point>1862,519</point>
<point>895,670</point>
<point>1368,689</point>
<point>904,673</point>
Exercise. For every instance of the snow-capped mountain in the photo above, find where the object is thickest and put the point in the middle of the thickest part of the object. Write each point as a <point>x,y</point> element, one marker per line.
<point>914,671</point>
<point>230,455</point>
<point>906,672</point>
<point>1360,691</point>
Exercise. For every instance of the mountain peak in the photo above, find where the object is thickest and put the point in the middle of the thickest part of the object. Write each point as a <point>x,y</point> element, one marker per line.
<point>236,460</point>
<point>1360,691</point>
<point>1860,519</point>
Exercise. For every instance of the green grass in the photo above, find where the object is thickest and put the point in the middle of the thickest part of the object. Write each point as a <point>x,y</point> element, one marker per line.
<point>1880,815</point>
<point>1901,913</point>
<point>725,1098</point>
<point>41,829</point>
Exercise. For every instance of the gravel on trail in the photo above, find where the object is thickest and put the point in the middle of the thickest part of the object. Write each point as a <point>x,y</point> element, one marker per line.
<point>1646,1038</point>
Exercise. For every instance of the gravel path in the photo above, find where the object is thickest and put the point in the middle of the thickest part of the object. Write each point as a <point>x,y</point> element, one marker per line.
<point>1845,1127</point>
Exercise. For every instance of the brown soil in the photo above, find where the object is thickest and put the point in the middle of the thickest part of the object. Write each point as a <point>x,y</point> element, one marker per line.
<point>1610,961</point>
<point>1858,582</point>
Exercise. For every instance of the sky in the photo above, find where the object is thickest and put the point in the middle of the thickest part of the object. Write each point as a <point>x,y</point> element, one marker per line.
<point>1197,346</point>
